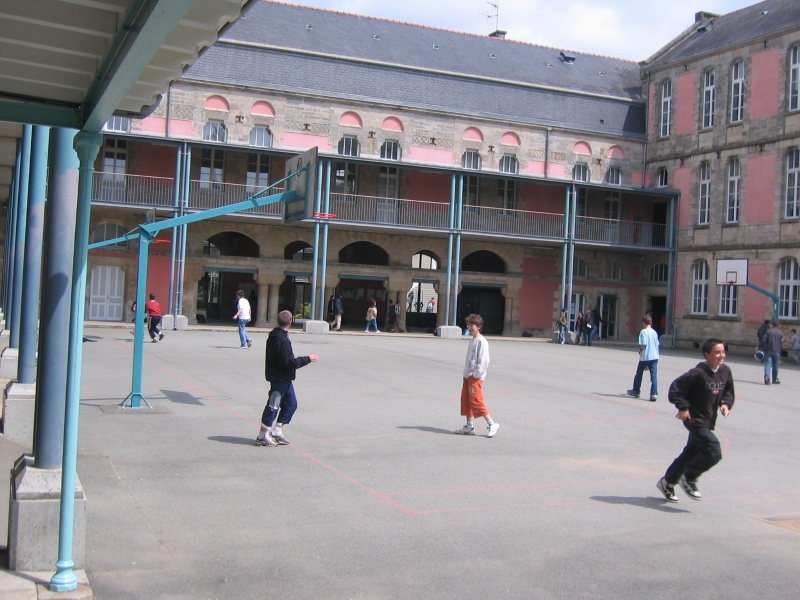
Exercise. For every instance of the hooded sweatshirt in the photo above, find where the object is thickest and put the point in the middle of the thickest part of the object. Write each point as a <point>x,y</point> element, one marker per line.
<point>281,365</point>
<point>701,391</point>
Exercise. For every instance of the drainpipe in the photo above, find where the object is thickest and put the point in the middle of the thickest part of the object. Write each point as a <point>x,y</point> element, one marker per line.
<point>450,247</point>
<point>169,105</point>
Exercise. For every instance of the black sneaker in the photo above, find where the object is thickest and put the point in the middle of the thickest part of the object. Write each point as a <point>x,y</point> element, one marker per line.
<point>160,336</point>
<point>667,489</point>
<point>249,343</point>
<point>776,381</point>
<point>766,380</point>
<point>632,393</point>
<point>690,487</point>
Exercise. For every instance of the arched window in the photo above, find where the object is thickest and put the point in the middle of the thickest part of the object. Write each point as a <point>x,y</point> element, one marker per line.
<point>364,253</point>
<point>611,269</point>
<point>704,197</point>
<point>789,289</point>
<point>614,176</point>
<point>734,182</point>
<point>793,184</point>
<point>233,243</point>
<point>508,164</point>
<point>109,231</point>
<point>580,172</point>
<point>261,136</point>
<point>666,108</point>
<point>483,261</point>
<point>390,150</point>
<point>662,178</point>
<point>214,131</point>
<point>794,78</point>
<point>349,146</point>
<point>700,288</point>
<point>118,124</point>
<point>471,160</point>
<point>424,259</point>
<point>579,268</point>
<point>298,250</point>
<point>709,97</point>
<point>728,300</point>
<point>658,273</point>
<point>737,91</point>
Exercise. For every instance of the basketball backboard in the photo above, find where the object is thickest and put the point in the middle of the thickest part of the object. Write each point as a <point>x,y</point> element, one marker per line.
<point>732,271</point>
<point>301,206</point>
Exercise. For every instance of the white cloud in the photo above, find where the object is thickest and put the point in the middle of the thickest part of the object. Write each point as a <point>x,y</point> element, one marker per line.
<point>632,29</point>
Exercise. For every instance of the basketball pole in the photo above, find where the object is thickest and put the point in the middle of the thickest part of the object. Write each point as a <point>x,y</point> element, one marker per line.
<point>775,299</point>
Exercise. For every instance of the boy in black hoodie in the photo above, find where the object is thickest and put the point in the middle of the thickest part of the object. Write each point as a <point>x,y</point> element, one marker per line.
<point>699,394</point>
<point>280,370</point>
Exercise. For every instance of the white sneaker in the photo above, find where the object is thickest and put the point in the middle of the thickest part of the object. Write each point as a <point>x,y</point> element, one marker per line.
<point>492,429</point>
<point>465,430</point>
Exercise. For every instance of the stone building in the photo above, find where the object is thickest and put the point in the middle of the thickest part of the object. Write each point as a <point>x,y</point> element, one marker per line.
<point>515,172</point>
<point>724,130</point>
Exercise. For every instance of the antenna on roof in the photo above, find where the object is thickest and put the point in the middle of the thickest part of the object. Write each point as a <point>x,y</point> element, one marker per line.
<point>494,13</point>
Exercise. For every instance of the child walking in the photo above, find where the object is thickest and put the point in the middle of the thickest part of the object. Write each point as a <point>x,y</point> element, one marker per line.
<point>474,375</point>
<point>372,317</point>
<point>699,394</point>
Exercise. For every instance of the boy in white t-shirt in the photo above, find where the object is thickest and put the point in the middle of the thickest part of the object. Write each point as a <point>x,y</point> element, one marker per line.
<point>475,369</point>
<point>648,359</point>
<point>243,316</point>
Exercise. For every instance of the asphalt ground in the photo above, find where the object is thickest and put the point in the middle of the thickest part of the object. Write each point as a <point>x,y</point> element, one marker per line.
<point>376,498</point>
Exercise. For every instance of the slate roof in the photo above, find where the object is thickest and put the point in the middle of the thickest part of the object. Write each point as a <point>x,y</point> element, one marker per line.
<point>271,47</point>
<point>750,23</point>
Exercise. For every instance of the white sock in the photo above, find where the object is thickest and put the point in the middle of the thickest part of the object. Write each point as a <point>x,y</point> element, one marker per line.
<point>470,425</point>
<point>489,422</point>
<point>277,430</point>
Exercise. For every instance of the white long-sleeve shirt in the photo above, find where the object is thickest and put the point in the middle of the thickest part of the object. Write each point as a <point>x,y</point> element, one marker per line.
<point>477,358</point>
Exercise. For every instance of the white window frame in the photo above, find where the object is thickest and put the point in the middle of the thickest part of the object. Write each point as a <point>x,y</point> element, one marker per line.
<point>734,191</point>
<point>211,173</point>
<point>115,159</point>
<point>215,131</point>
<point>704,195</point>
<point>792,210</point>
<point>662,178</point>
<point>390,150</point>
<point>508,164</point>
<point>666,108</point>
<point>345,180</point>
<point>471,160</point>
<point>506,194</point>
<point>658,273</point>
<point>614,176</point>
<point>118,124</point>
<point>709,98</point>
<point>388,182</point>
<point>472,191</point>
<point>349,146</point>
<point>611,270</point>
<point>728,300</point>
<point>580,172</point>
<point>108,230</point>
<point>737,91</point>
<point>261,136</point>
<point>257,172</point>
<point>700,288</point>
<point>789,290</point>
<point>580,268</point>
<point>580,206</point>
<point>794,78</point>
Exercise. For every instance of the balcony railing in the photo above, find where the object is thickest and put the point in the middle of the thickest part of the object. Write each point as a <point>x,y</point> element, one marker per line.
<point>159,192</point>
<point>512,222</point>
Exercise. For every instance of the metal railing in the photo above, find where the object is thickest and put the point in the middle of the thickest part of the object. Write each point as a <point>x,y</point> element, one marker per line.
<point>409,213</point>
<point>512,222</point>
<point>207,194</point>
<point>614,231</point>
<point>133,189</point>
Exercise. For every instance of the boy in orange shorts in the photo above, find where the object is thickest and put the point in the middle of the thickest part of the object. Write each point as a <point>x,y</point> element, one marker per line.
<point>474,374</point>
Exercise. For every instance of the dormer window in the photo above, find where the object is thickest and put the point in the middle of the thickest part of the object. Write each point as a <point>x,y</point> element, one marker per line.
<point>567,58</point>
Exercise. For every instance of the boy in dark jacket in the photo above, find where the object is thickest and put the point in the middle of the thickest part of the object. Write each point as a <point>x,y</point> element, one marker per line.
<point>699,394</point>
<point>280,370</point>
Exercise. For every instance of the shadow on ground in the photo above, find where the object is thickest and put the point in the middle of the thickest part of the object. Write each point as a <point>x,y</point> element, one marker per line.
<point>426,429</point>
<point>229,439</point>
<point>651,503</point>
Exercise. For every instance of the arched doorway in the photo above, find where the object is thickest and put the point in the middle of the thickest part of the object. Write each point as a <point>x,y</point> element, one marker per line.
<point>422,298</point>
<point>358,291</point>
<point>295,291</point>
<point>487,300</point>
<point>216,290</point>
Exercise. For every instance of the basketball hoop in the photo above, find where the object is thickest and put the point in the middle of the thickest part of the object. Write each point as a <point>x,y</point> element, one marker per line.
<point>324,215</point>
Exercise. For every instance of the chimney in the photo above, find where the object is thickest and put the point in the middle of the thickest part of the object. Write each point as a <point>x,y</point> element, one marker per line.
<point>499,34</point>
<point>703,15</point>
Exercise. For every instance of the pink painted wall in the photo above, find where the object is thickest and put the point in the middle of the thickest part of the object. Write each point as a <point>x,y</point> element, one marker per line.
<point>262,108</point>
<point>433,187</point>
<point>350,119</point>
<point>759,203</point>
<point>557,170</point>
<point>536,303</point>
<point>757,306</point>
<point>304,140</point>
<point>431,155</point>
<point>685,104</point>
<point>634,318</point>
<point>535,167</point>
<point>680,285</point>
<point>217,103</point>
<point>510,139</point>
<point>766,76</point>
<point>176,126</point>
<point>682,180</point>
<point>392,124</point>
<point>472,134</point>
<point>158,277</point>
<point>155,160</point>
<point>616,152</point>
<point>636,178</point>
<point>544,198</point>
<point>582,148</point>
<point>541,267</point>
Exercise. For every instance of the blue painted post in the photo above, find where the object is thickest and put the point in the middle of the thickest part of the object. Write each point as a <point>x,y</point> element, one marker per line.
<point>317,203</point>
<point>59,240</point>
<point>324,258</point>
<point>457,257</point>
<point>187,163</point>
<point>19,238</point>
<point>564,251</point>
<point>136,395</point>
<point>571,217</point>
<point>11,230</point>
<point>176,197</point>
<point>87,146</point>
<point>450,218</point>
<point>32,270</point>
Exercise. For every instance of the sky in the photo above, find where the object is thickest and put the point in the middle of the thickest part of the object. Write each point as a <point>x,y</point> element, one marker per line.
<point>631,29</point>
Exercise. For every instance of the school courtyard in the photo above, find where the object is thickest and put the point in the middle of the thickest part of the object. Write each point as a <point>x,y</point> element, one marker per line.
<point>376,498</point>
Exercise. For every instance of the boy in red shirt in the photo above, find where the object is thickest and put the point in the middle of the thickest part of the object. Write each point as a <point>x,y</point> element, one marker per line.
<point>153,309</point>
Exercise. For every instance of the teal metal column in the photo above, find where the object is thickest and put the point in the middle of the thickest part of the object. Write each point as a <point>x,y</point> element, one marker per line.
<point>183,230</point>
<point>59,241</point>
<point>176,197</point>
<point>87,146</point>
<point>571,217</point>
<point>450,218</point>
<point>324,257</point>
<point>457,257</point>
<point>11,229</point>
<point>564,301</point>
<point>672,256</point>
<point>317,203</point>
<point>19,237</point>
<point>32,271</point>
<point>136,395</point>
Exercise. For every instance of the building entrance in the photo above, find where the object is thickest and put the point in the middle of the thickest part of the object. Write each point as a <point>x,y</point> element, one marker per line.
<point>658,306</point>
<point>357,296</point>
<point>216,295</point>
<point>489,303</point>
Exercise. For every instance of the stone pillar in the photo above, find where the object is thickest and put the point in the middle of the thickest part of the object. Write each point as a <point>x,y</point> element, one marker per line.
<point>272,305</point>
<point>508,315</point>
<point>329,291</point>
<point>441,299</point>
<point>263,301</point>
